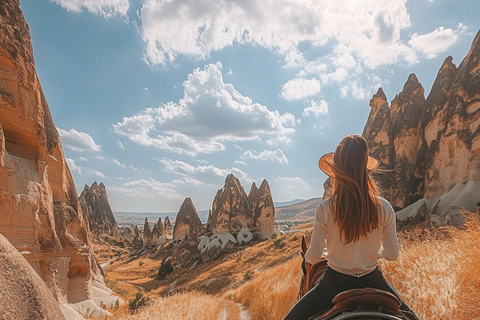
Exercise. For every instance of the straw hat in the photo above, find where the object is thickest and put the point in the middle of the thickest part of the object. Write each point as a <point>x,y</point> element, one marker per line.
<point>327,160</point>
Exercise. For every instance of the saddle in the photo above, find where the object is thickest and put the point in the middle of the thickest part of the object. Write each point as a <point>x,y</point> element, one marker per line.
<point>371,303</point>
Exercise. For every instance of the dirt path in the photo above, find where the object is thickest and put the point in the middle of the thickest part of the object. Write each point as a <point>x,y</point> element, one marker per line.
<point>244,315</point>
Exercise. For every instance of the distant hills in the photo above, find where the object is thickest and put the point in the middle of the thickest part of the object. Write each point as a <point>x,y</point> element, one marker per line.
<point>297,208</point>
<point>304,210</point>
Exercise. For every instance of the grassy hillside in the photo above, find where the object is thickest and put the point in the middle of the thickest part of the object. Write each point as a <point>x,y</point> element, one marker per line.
<point>302,211</point>
<point>437,274</point>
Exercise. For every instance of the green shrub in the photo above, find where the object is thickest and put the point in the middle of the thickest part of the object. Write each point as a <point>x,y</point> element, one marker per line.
<point>164,269</point>
<point>138,302</point>
<point>248,276</point>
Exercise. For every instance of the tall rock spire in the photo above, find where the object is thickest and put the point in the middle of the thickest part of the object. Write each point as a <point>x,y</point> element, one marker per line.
<point>187,222</point>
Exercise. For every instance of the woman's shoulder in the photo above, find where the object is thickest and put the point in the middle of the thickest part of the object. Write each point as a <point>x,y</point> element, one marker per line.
<point>386,206</point>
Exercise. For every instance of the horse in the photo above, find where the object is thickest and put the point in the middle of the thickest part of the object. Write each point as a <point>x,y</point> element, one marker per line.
<point>359,304</point>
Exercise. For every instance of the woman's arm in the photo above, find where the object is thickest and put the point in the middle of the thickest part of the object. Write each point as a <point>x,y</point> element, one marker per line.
<point>389,247</point>
<point>317,241</point>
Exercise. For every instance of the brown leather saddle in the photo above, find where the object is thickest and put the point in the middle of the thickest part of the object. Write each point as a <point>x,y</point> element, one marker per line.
<point>363,304</point>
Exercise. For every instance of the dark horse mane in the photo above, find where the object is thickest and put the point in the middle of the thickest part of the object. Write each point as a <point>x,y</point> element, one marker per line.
<point>311,273</point>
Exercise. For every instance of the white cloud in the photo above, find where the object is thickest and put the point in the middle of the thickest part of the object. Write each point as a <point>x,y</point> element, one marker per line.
<point>105,8</point>
<point>316,108</point>
<point>369,29</point>
<point>146,189</point>
<point>72,165</point>
<point>279,140</point>
<point>83,170</point>
<point>77,141</point>
<point>209,113</point>
<point>437,41</point>
<point>206,173</point>
<point>118,163</point>
<point>291,185</point>
<point>266,155</point>
<point>120,145</point>
<point>300,88</point>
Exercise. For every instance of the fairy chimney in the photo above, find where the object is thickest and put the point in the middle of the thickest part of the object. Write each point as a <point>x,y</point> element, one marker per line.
<point>261,203</point>
<point>95,206</point>
<point>187,222</point>
<point>231,210</point>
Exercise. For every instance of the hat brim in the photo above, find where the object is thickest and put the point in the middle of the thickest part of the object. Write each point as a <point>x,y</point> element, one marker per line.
<point>326,162</point>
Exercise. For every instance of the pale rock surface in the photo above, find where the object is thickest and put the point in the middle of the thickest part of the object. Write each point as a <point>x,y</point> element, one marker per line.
<point>23,294</point>
<point>429,149</point>
<point>40,212</point>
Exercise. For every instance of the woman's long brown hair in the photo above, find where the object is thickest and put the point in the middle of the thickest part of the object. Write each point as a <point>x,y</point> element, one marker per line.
<point>355,203</point>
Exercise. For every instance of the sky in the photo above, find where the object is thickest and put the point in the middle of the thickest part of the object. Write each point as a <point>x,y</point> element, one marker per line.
<point>161,99</point>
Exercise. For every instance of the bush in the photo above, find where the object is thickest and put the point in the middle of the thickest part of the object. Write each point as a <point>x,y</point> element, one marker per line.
<point>278,242</point>
<point>248,276</point>
<point>138,302</point>
<point>164,269</point>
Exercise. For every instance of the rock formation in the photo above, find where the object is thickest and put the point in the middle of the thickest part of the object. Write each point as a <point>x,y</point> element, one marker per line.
<point>40,211</point>
<point>187,223</point>
<point>234,210</point>
<point>19,284</point>
<point>167,227</point>
<point>261,203</point>
<point>429,149</point>
<point>95,206</point>
<point>147,234</point>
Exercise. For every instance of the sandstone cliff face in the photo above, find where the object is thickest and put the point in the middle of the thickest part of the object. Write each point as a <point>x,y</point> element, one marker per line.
<point>430,148</point>
<point>187,223</point>
<point>233,210</point>
<point>39,209</point>
<point>95,206</point>
<point>19,284</point>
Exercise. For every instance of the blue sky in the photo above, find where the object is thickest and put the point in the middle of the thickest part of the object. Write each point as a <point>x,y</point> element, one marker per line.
<point>161,99</point>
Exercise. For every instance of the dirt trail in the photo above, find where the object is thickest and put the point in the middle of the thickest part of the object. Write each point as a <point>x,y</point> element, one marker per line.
<point>244,315</point>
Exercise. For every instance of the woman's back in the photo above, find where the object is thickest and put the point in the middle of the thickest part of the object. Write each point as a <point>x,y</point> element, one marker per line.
<point>359,257</point>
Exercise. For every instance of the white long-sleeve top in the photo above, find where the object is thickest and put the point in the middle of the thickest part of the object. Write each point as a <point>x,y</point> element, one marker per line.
<point>354,258</point>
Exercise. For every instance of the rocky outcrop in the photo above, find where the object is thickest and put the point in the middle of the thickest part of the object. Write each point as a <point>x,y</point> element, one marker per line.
<point>187,223</point>
<point>167,227</point>
<point>39,209</point>
<point>95,206</point>
<point>234,210</point>
<point>147,234</point>
<point>261,203</point>
<point>23,293</point>
<point>429,149</point>
<point>235,219</point>
<point>231,210</point>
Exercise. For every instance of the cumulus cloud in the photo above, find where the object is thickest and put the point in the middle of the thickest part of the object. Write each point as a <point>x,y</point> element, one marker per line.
<point>209,113</point>
<point>146,189</point>
<point>266,155</point>
<point>437,41</point>
<point>105,8</point>
<point>202,172</point>
<point>300,88</point>
<point>316,108</point>
<point>370,29</point>
<point>290,185</point>
<point>74,168</point>
<point>77,141</point>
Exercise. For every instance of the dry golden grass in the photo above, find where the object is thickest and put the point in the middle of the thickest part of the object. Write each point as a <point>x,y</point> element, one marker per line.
<point>437,274</point>
<point>271,294</point>
<point>186,306</point>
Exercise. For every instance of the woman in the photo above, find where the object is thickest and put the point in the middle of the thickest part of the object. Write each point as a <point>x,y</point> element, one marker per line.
<point>358,227</point>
